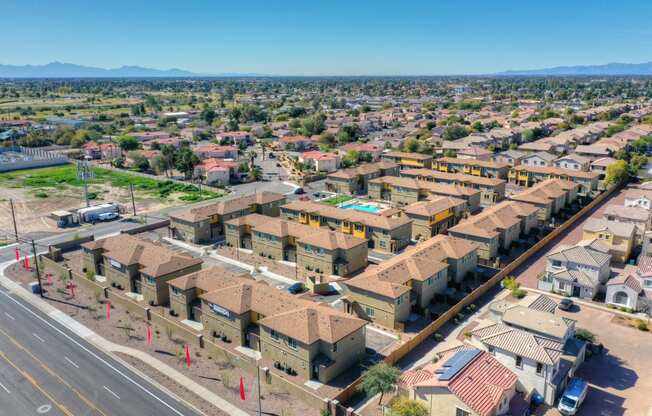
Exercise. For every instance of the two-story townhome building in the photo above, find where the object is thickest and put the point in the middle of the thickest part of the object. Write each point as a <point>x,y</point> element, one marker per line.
<point>538,159</point>
<point>296,335</point>
<point>485,168</point>
<point>549,197</point>
<point>496,228</point>
<point>387,293</point>
<point>573,162</point>
<point>206,223</point>
<point>136,265</point>
<point>408,160</point>
<point>434,216</point>
<point>527,176</point>
<point>635,197</point>
<point>641,218</point>
<point>492,190</point>
<point>355,180</point>
<point>580,270</point>
<point>509,157</point>
<point>387,234</point>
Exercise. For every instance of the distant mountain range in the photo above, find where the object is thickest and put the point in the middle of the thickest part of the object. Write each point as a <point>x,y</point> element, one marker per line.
<point>615,68</point>
<point>66,70</point>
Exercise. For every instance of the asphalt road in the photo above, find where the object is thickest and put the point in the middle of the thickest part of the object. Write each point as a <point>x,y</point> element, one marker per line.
<point>46,369</point>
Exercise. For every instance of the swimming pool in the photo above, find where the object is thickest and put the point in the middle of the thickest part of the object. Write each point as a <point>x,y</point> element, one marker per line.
<point>373,209</point>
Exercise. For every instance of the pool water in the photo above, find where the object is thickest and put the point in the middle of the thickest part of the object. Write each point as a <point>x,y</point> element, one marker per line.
<point>360,207</point>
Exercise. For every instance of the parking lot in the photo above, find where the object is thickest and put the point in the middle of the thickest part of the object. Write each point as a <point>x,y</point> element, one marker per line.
<point>620,378</point>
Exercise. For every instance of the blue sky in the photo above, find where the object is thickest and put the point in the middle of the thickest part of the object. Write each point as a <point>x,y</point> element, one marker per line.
<point>312,37</point>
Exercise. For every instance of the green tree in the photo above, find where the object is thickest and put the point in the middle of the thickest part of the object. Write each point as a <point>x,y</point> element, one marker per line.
<point>351,158</point>
<point>454,132</point>
<point>412,145</point>
<point>186,161</point>
<point>381,378</point>
<point>128,143</point>
<point>408,407</point>
<point>139,161</point>
<point>208,115</point>
<point>617,172</point>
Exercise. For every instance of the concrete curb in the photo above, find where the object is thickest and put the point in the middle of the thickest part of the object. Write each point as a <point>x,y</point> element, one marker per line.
<point>110,348</point>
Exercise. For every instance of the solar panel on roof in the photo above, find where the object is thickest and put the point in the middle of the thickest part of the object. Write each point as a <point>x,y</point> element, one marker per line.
<point>457,362</point>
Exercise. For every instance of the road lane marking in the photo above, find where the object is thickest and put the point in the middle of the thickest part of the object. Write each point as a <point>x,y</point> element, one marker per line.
<point>37,337</point>
<point>33,382</point>
<point>97,357</point>
<point>4,388</point>
<point>71,362</point>
<point>10,317</point>
<point>110,391</point>
<point>52,373</point>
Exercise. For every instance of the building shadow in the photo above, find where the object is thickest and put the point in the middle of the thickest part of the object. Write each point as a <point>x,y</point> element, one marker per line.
<point>608,371</point>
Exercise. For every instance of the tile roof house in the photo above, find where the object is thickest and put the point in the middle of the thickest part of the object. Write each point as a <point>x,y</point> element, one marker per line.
<point>468,382</point>
<point>434,215</point>
<point>549,197</point>
<point>356,180</point>
<point>539,159</point>
<point>579,270</point>
<point>631,289</point>
<point>387,293</point>
<point>137,265</point>
<point>320,161</point>
<point>641,218</point>
<point>617,236</point>
<point>637,197</point>
<point>529,175</point>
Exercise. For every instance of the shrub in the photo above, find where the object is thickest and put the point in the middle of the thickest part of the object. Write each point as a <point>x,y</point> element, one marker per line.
<point>585,335</point>
<point>642,326</point>
<point>439,337</point>
<point>510,282</point>
<point>519,293</point>
<point>41,194</point>
<point>90,275</point>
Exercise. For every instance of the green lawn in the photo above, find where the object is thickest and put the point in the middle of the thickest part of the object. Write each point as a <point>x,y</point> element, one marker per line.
<point>59,176</point>
<point>336,200</point>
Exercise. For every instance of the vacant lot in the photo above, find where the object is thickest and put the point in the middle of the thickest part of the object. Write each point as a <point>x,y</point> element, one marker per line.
<point>38,192</point>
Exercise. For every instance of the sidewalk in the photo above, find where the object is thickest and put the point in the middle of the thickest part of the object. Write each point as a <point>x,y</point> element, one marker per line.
<point>110,348</point>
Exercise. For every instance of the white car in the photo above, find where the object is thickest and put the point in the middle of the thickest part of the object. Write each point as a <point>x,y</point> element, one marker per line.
<point>107,216</point>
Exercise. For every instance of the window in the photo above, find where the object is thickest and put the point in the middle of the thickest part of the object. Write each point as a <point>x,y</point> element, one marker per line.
<point>490,349</point>
<point>460,412</point>
<point>292,343</point>
<point>335,347</point>
<point>519,361</point>
<point>275,335</point>
<point>370,311</point>
<point>539,368</point>
<point>151,280</point>
<point>383,244</point>
<point>556,263</point>
<point>399,300</point>
<point>175,290</point>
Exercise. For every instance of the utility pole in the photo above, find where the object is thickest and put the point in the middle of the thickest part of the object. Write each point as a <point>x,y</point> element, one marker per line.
<point>38,272</point>
<point>84,172</point>
<point>133,203</point>
<point>13,216</point>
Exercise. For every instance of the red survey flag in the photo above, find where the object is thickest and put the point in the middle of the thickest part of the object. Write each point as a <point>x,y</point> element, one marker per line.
<point>17,254</point>
<point>108,311</point>
<point>72,289</point>
<point>242,391</point>
<point>49,276</point>
<point>26,263</point>
<point>149,335</point>
<point>188,355</point>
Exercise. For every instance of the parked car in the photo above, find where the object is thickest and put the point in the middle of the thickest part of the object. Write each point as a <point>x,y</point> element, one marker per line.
<point>299,191</point>
<point>573,397</point>
<point>566,304</point>
<point>271,156</point>
<point>108,216</point>
<point>295,288</point>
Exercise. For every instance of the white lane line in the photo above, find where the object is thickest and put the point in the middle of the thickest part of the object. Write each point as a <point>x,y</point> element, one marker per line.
<point>38,337</point>
<point>71,362</point>
<point>97,357</point>
<point>109,390</point>
<point>10,317</point>
<point>4,388</point>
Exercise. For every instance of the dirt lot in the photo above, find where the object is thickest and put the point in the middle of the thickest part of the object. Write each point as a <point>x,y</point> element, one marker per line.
<point>215,372</point>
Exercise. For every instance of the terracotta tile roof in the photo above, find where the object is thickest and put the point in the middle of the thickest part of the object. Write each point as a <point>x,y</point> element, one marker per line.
<point>551,170</point>
<point>473,162</point>
<point>210,279</point>
<point>152,258</point>
<point>545,192</point>
<point>228,206</point>
<point>493,220</point>
<point>461,178</point>
<point>619,229</point>
<point>421,262</point>
<point>406,155</point>
<point>434,206</point>
<point>364,169</point>
<point>301,319</point>
<point>629,279</point>
<point>432,187</point>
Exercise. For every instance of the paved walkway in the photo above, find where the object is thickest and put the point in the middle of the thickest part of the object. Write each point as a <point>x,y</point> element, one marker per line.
<point>110,348</point>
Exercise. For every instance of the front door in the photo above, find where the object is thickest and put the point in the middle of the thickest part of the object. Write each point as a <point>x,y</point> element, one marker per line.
<point>576,291</point>
<point>315,371</point>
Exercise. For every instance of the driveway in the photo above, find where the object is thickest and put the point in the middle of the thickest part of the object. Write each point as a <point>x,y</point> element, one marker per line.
<point>621,378</point>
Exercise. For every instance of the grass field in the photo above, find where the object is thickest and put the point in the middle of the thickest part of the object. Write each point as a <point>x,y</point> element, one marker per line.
<point>336,200</point>
<point>60,177</point>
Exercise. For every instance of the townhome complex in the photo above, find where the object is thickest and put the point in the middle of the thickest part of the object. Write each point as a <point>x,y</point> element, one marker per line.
<point>408,160</point>
<point>487,169</point>
<point>136,265</point>
<point>354,181</point>
<point>434,215</point>
<point>406,191</point>
<point>492,190</point>
<point>549,197</point>
<point>386,294</point>
<point>206,223</point>
<point>313,249</point>
<point>530,175</point>
<point>496,228</point>
<point>303,337</point>
<point>389,234</point>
